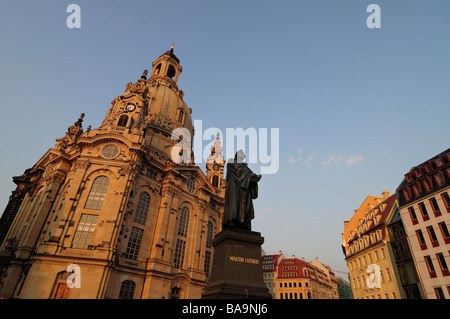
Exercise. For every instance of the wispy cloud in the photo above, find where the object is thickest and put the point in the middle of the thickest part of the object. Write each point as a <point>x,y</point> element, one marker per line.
<point>331,161</point>
<point>298,157</point>
<point>347,160</point>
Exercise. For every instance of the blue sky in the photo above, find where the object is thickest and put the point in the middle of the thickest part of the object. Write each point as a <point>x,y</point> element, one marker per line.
<point>356,107</point>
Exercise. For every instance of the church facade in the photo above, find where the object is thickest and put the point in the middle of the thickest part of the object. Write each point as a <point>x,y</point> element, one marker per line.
<point>113,204</point>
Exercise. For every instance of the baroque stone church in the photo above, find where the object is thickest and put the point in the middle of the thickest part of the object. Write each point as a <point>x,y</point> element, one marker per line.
<point>112,202</point>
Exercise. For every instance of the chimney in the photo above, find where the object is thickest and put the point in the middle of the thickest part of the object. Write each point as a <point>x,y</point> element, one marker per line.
<point>385,194</point>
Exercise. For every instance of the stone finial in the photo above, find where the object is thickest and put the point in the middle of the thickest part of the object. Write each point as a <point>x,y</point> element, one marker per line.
<point>144,75</point>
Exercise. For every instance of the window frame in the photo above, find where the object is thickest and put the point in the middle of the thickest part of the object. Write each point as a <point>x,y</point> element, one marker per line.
<point>446,199</point>
<point>134,243</point>
<point>445,232</point>
<point>142,207</point>
<point>425,216</point>
<point>433,203</point>
<point>413,215</point>
<point>440,182</point>
<point>121,120</point>
<point>443,264</point>
<point>83,238</point>
<point>421,239</point>
<point>183,224</point>
<point>430,266</point>
<point>97,193</point>
<point>432,233</point>
<point>127,289</point>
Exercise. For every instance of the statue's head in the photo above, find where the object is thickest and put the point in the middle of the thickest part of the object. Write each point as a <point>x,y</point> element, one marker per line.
<point>239,157</point>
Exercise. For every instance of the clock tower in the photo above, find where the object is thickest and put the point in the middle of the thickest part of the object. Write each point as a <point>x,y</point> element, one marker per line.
<point>215,165</point>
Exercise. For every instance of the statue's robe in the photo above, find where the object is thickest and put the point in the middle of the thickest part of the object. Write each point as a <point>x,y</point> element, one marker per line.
<point>241,188</point>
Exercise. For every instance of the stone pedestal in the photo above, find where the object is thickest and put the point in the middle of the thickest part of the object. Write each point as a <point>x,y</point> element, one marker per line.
<point>236,269</point>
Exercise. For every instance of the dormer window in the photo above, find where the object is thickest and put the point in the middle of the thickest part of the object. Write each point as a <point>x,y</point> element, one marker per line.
<point>427,184</point>
<point>407,194</point>
<point>418,172</point>
<point>439,162</point>
<point>417,190</point>
<point>408,177</point>
<point>439,178</point>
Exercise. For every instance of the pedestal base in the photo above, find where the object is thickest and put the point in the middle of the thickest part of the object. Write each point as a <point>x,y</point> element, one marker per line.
<point>237,270</point>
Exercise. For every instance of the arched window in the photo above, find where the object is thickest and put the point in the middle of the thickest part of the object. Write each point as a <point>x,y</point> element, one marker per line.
<point>142,208</point>
<point>215,181</point>
<point>123,120</point>
<point>158,69</point>
<point>127,289</point>
<point>171,71</point>
<point>184,222</point>
<point>97,193</point>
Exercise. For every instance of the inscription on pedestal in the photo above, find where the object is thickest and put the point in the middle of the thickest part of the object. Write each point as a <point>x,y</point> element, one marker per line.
<point>244,260</point>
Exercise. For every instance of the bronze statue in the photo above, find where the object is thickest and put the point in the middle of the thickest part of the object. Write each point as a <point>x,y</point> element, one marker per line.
<point>241,189</point>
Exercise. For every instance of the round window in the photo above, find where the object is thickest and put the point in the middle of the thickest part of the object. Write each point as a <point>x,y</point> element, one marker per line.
<point>110,151</point>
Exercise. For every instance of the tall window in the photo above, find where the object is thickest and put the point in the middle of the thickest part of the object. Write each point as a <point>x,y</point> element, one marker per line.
<point>413,215</point>
<point>430,267</point>
<point>435,206</point>
<point>97,193</point>
<point>209,234</point>
<point>207,262</point>
<point>184,222</point>
<point>142,208</point>
<point>123,120</point>
<point>424,211</point>
<point>443,264</point>
<point>215,181</point>
<point>84,232</point>
<point>127,289</point>
<point>445,232</point>
<point>180,247</point>
<point>421,239</point>
<point>446,199</point>
<point>180,250</point>
<point>433,237</point>
<point>134,243</point>
<point>209,237</point>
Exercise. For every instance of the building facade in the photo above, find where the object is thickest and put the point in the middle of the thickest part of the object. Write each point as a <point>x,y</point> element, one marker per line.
<point>365,244</point>
<point>121,208</point>
<point>332,278</point>
<point>270,270</point>
<point>298,279</point>
<point>344,289</point>
<point>424,203</point>
<point>404,266</point>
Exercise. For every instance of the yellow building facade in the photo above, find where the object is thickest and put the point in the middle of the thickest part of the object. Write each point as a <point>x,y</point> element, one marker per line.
<point>365,244</point>
<point>120,211</point>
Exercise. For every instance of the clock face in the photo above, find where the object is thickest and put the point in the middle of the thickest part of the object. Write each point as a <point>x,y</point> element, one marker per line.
<point>131,107</point>
<point>215,167</point>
